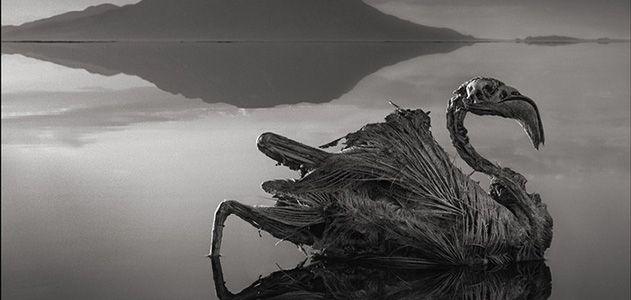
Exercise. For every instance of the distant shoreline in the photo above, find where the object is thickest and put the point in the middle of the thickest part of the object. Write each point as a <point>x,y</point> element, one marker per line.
<point>315,41</point>
<point>235,41</point>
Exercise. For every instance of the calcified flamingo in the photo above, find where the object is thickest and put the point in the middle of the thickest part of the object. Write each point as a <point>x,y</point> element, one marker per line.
<point>393,195</point>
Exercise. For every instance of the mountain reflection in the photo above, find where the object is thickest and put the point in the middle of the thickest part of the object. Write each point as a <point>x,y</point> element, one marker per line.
<point>246,75</point>
<point>323,280</point>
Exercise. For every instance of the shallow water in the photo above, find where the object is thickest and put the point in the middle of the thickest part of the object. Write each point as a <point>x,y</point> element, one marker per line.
<point>111,175</point>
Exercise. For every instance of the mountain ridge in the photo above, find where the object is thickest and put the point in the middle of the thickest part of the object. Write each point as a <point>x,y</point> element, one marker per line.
<point>238,20</point>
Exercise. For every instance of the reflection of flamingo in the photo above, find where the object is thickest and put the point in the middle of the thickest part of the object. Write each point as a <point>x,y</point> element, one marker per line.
<point>335,280</point>
<point>393,195</point>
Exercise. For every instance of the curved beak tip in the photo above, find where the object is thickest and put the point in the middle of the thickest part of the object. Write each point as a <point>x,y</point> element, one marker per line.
<point>525,111</point>
<point>534,131</point>
<point>538,145</point>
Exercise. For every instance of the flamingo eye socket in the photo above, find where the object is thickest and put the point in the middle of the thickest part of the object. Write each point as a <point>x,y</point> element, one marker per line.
<point>488,89</point>
<point>503,94</point>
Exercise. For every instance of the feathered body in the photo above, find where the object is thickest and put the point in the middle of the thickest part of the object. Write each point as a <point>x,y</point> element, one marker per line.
<point>394,194</point>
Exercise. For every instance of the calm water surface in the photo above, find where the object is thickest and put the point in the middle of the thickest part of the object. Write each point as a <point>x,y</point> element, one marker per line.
<point>110,175</point>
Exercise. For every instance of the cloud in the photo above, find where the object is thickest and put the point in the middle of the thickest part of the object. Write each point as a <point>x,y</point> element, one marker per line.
<point>72,118</point>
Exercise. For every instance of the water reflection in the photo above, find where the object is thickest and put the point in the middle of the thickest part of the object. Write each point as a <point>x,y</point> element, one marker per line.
<point>336,280</point>
<point>245,75</point>
<point>126,213</point>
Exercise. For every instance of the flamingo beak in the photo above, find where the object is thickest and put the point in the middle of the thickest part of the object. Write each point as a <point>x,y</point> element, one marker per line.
<point>517,107</point>
<point>525,111</point>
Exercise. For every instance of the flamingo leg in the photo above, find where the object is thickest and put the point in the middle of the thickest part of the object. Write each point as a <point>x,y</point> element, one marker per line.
<point>259,217</point>
<point>220,284</point>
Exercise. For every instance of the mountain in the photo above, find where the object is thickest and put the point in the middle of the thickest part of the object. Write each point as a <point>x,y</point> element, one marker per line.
<point>555,40</point>
<point>247,75</point>
<point>187,20</point>
<point>542,39</point>
<point>58,19</point>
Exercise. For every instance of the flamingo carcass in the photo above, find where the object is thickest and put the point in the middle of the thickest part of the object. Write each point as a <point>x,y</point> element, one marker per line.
<point>393,195</point>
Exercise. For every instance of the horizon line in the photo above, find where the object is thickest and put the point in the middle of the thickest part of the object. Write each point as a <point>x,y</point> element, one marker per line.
<point>220,41</point>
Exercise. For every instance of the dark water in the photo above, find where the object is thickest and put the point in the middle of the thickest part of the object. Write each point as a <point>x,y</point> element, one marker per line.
<point>115,156</point>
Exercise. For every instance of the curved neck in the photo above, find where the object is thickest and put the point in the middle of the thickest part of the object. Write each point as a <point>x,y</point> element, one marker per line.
<point>458,133</point>
<point>527,208</point>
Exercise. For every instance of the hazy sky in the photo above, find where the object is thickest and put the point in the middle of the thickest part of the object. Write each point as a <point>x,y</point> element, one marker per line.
<point>517,18</point>
<point>482,18</point>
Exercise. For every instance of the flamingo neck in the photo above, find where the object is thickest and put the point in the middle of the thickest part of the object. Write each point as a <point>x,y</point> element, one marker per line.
<point>458,133</point>
<point>527,208</point>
